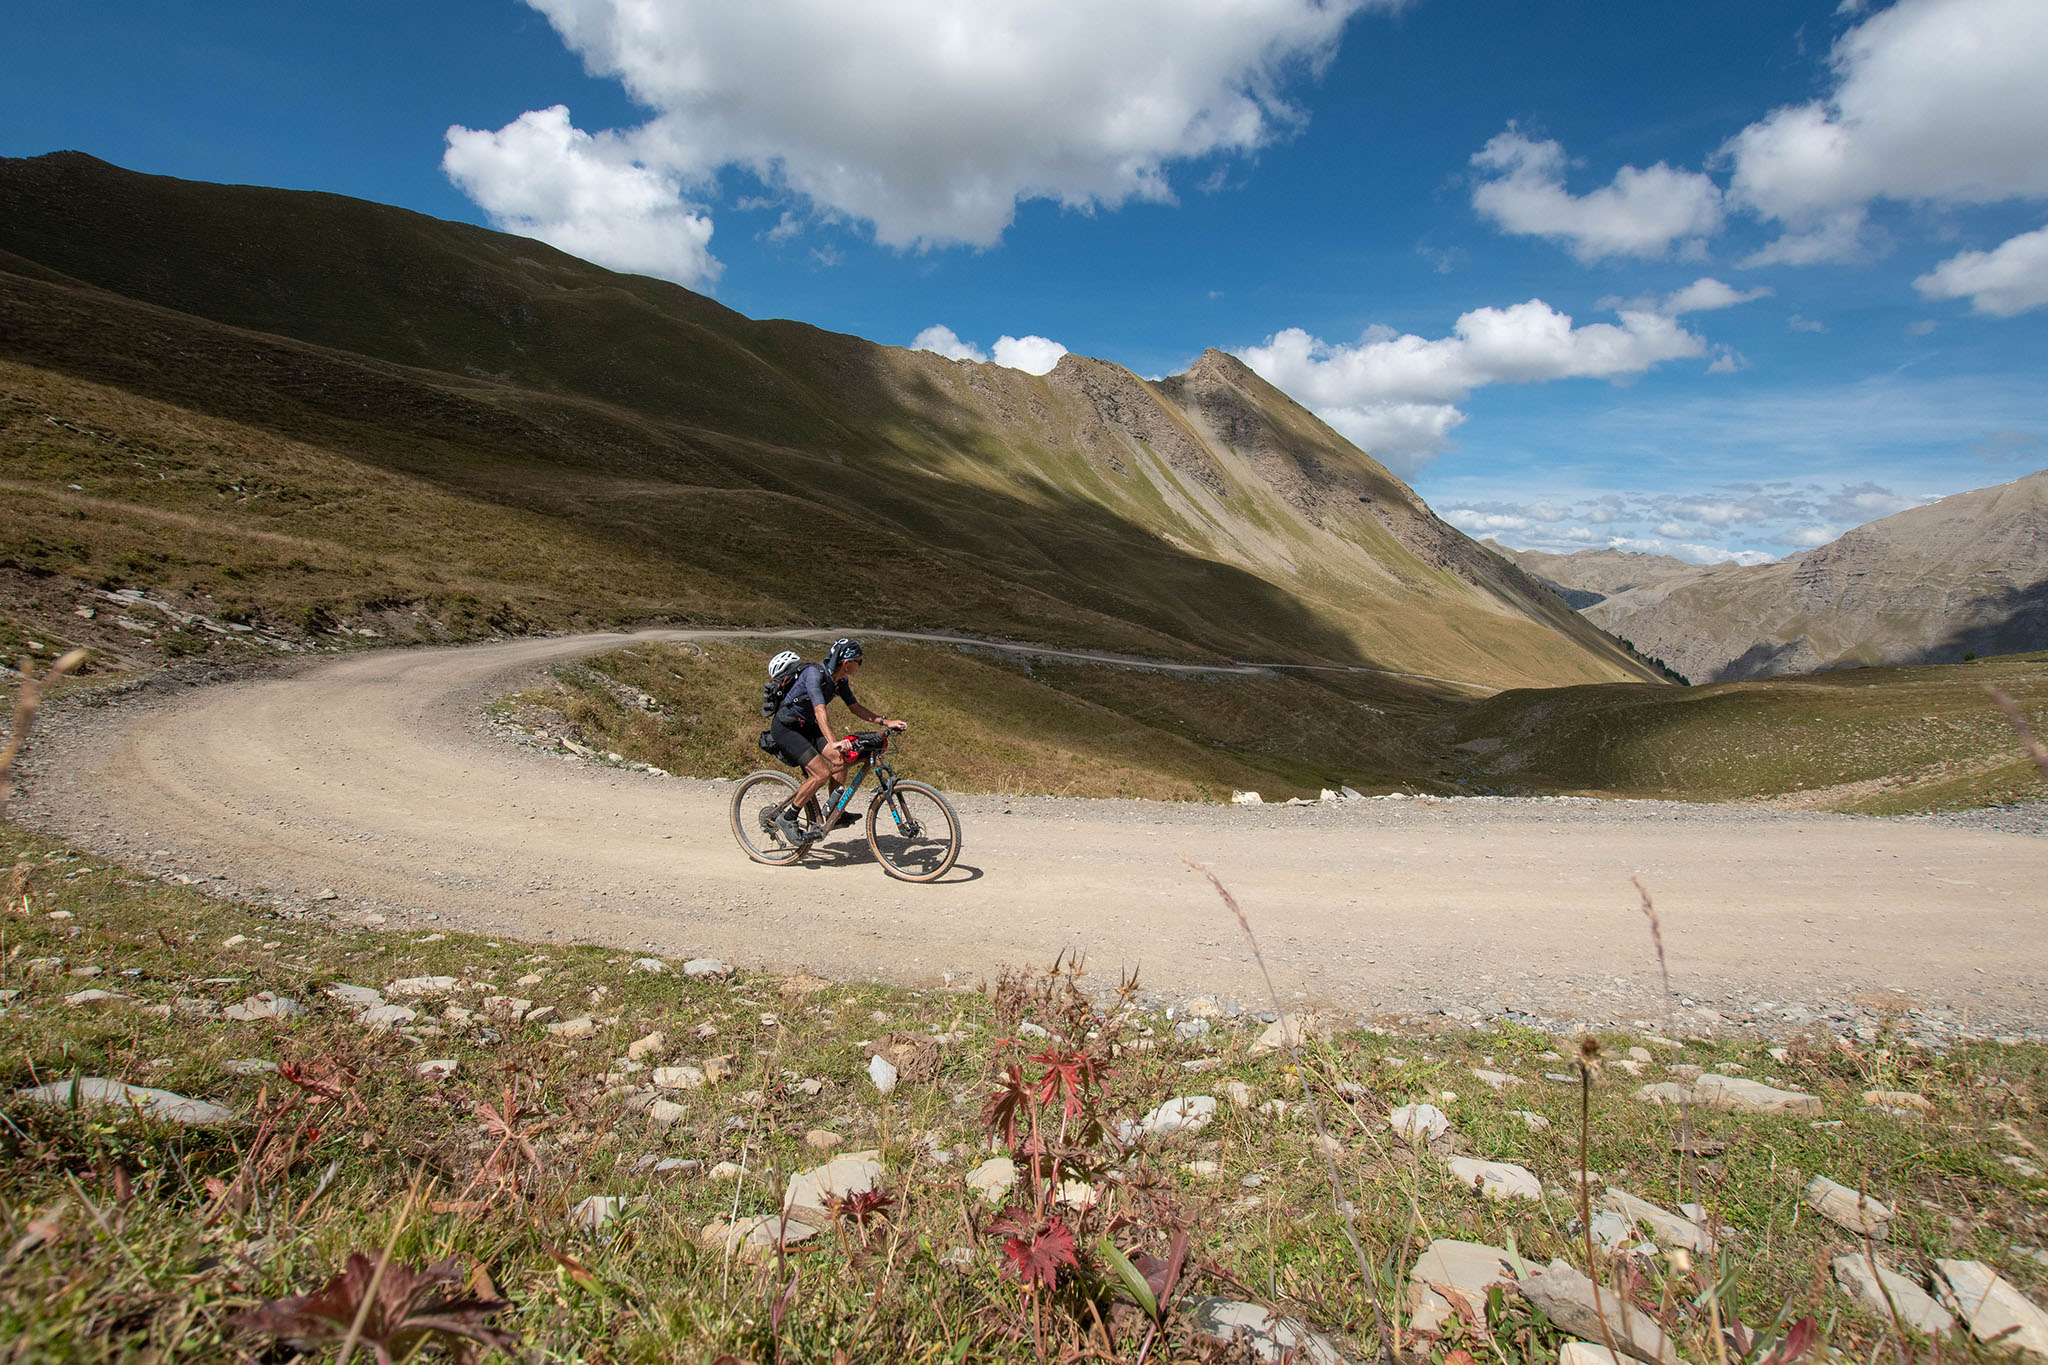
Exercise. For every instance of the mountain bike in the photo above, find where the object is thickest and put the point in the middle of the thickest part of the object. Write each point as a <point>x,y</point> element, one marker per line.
<point>912,830</point>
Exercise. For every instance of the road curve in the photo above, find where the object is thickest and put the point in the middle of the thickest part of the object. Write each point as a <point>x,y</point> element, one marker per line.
<point>373,775</point>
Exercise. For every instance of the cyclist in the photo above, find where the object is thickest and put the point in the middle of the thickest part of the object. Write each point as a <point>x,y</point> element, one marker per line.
<point>802,731</point>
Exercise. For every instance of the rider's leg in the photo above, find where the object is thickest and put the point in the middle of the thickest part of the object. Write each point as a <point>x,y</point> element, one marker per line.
<point>817,772</point>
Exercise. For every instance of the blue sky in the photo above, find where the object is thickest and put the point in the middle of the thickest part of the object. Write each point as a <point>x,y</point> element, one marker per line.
<point>1718,280</point>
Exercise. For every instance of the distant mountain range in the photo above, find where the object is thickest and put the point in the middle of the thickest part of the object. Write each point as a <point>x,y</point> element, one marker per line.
<point>657,455</point>
<point>1965,575</point>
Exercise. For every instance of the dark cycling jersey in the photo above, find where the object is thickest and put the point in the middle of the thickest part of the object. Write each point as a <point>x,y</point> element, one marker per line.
<point>811,690</point>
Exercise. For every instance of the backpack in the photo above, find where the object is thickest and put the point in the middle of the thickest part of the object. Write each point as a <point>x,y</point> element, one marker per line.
<point>777,687</point>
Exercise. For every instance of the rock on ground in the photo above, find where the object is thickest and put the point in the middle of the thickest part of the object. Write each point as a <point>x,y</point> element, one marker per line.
<point>1667,1228</point>
<point>161,1105</point>
<point>1987,1301</point>
<point>677,1078</point>
<point>1258,1330</point>
<point>361,997</point>
<point>1916,1307</point>
<point>1568,1299</point>
<point>1733,1092</point>
<point>1446,1267</point>
<point>809,1191</point>
<point>386,1016</point>
<point>421,985</point>
<point>1419,1123</point>
<point>1182,1114</point>
<point>993,1178</point>
<point>1496,1179</point>
<point>599,1209</point>
<point>1289,1030</point>
<point>265,1005</point>
<point>1851,1210</point>
<point>1587,1353</point>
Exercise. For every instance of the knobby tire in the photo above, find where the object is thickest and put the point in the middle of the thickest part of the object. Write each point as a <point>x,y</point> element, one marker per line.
<point>931,853</point>
<point>758,791</point>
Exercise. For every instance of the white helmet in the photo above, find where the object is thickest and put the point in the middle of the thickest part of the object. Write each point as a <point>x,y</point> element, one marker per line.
<point>788,658</point>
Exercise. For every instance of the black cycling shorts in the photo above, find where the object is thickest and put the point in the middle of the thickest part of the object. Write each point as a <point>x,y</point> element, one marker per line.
<point>796,746</point>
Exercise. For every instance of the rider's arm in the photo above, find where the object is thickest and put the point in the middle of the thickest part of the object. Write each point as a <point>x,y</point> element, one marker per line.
<point>824,725</point>
<point>866,714</point>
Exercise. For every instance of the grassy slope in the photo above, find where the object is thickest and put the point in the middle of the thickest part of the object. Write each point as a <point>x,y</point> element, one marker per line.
<point>98,1275</point>
<point>962,495</point>
<point>1877,741</point>
<point>987,723</point>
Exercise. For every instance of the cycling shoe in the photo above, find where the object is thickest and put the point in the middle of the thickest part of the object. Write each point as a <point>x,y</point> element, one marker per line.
<point>792,833</point>
<point>846,817</point>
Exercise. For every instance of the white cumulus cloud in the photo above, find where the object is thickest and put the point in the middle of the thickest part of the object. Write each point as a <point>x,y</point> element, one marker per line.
<point>542,177</point>
<point>1642,213</point>
<point>942,340</point>
<point>1938,100</point>
<point>1396,396</point>
<point>2003,282</point>
<point>932,120</point>
<point>1031,354</point>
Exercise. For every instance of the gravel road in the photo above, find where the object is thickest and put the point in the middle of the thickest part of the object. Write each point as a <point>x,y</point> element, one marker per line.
<point>376,778</point>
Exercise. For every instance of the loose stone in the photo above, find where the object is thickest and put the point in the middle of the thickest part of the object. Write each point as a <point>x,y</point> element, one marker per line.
<point>1886,1290</point>
<point>1445,1268</point>
<point>993,1178</point>
<point>1850,1210</point>
<point>1254,1329</point>
<point>1990,1305</point>
<point>97,1091</point>
<point>383,1017</point>
<point>1496,1179</point>
<point>1419,1123</point>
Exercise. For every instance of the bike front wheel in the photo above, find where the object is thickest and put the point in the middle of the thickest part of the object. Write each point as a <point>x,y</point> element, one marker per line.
<point>754,805</point>
<point>913,832</point>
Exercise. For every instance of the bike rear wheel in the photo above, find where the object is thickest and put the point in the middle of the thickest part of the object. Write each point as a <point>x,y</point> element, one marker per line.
<point>759,796</point>
<point>913,832</point>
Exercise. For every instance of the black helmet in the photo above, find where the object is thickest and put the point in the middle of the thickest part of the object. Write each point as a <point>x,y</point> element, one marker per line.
<point>842,651</point>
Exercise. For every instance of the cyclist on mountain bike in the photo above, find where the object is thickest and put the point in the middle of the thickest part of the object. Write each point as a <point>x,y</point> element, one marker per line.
<point>802,731</point>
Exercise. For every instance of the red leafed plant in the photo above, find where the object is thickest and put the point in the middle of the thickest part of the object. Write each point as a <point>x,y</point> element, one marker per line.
<point>1072,1076</point>
<point>400,1312</point>
<point>999,1114</point>
<point>1037,1252</point>
<point>862,1208</point>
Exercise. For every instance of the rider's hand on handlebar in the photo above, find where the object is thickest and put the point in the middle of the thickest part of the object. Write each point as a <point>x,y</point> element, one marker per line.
<point>899,726</point>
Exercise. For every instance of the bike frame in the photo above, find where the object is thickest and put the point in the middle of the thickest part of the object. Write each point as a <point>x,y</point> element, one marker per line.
<point>885,778</point>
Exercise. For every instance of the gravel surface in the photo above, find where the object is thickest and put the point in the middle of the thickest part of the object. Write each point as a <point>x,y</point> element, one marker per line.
<point>372,787</point>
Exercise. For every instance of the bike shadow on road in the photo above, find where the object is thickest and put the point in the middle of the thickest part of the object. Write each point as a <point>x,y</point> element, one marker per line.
<point>831,857</point>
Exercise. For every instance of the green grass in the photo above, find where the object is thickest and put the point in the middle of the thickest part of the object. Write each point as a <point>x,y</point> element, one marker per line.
<point>1874,741</point>
<point>987,723</point>
<point>1877,741</point>
<point>213,1221</point>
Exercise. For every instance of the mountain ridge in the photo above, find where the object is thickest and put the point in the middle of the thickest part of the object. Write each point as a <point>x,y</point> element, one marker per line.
<point>1965,575</point>
<point>1205,512</point>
